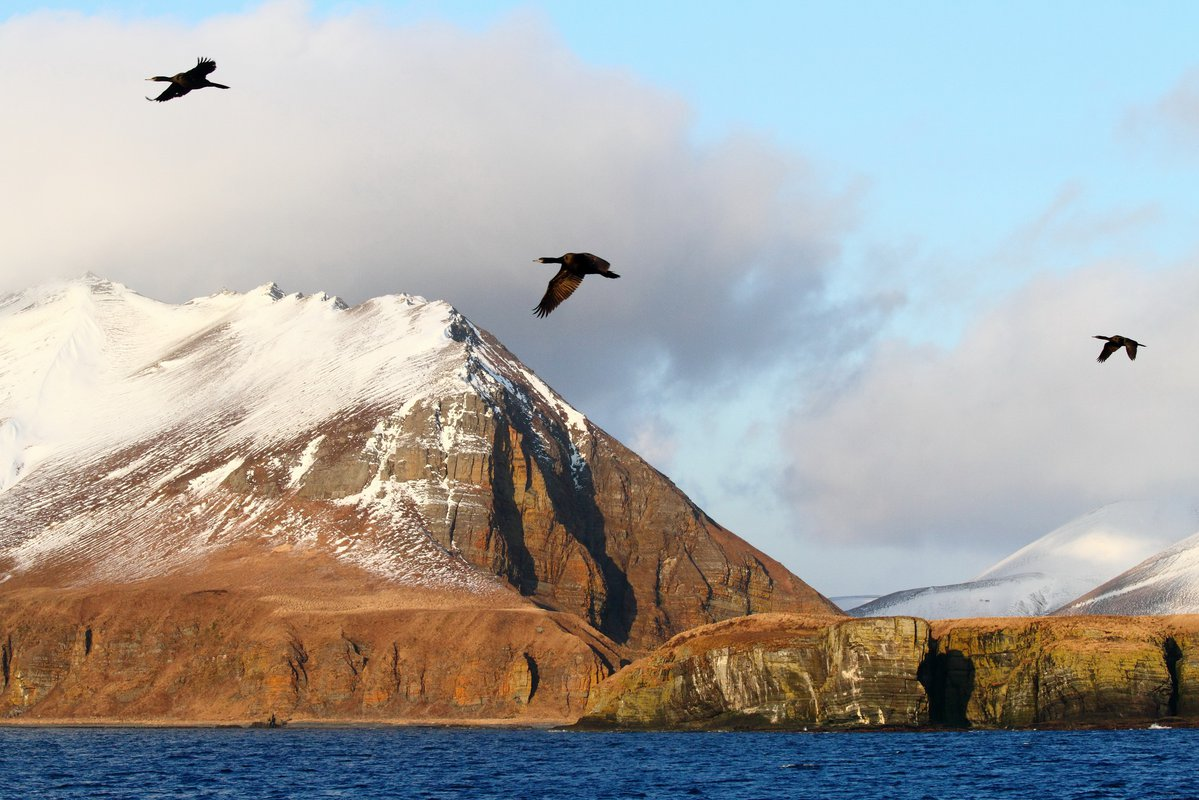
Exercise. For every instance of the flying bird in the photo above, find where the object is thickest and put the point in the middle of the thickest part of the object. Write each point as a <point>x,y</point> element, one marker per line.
<point>184,82</point>
<point>574,267</point>
<point>1114,343</point>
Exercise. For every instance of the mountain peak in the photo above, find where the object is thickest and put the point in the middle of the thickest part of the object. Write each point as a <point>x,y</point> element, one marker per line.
<point>270,290</point>
<point>140,439</point>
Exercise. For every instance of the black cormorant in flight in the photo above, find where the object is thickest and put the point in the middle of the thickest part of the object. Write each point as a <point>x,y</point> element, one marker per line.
<point>574,267</point>
<point>1114,343</point>
<point>184,82</point>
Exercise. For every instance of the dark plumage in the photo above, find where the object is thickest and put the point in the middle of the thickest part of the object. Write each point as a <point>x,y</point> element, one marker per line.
<point>574,267</point>
<point>1114,343</point>
<point>184,82</point>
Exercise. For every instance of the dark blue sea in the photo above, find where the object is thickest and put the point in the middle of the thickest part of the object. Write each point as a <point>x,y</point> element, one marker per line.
<point>451,763</point>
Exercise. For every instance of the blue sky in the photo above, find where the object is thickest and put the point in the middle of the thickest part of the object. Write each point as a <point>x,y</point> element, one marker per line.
<point>939,200</point>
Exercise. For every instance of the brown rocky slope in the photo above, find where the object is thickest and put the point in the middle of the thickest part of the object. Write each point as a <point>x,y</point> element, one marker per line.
<point>291,637</point>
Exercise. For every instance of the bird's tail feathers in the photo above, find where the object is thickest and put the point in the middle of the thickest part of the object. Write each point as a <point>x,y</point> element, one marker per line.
<point>609,274</point>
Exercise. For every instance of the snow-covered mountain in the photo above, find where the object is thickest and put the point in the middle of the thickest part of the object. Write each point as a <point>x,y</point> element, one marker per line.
<point>1056,568</point>
<point>1165,583</point>
<point>147,408</point>
<point>138,438</point>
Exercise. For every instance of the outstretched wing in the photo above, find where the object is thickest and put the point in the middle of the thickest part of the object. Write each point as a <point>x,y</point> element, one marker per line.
<point>1131,347</point>
<point>203,67</point>
<point>174,90</point>
<point>1108,349</point>
<point>561,286</point>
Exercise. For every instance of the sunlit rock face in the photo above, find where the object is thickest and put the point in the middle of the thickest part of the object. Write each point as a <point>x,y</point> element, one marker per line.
<point>775,670</point>
<point>1083,670</point>
<point>290,637</point>
<point>788,671</point>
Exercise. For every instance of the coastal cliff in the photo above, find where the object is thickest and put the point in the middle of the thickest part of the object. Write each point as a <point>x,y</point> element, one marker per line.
<point>781,670</point>
<point>774,670</point>
<point>1072,670</point>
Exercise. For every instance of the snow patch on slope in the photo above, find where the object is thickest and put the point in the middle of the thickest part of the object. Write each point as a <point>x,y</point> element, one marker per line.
<point>307,459</point>
<point>205,483</point>
<point>1103,543</point>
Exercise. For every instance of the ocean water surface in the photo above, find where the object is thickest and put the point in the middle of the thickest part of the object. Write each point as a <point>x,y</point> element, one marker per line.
<point>470,763</point>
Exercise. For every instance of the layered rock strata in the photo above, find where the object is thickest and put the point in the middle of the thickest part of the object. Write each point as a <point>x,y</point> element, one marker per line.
<point>224,648</point>
<point>790,671</point>
<point>774,670</point>
<point>500,477</point>
<point>1079,670</point>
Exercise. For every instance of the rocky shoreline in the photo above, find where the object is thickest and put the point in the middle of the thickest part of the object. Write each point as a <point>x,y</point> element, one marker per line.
<point>161,655</point>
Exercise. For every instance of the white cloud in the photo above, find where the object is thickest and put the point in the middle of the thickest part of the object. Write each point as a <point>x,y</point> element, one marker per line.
<point>1016,428</point>
<point>1171,123</point>
<point>359,157</point>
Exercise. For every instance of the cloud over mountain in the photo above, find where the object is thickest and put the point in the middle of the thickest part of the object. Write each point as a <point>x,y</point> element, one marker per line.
<point>422,158</point>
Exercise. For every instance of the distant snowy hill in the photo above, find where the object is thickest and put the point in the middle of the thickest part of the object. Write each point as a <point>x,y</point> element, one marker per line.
<point>846,602</point>
<point>1055,569</point>
<point>1165,583</point>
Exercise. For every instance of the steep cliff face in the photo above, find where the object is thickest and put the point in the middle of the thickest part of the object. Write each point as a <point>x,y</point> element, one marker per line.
<point>570,517</point>
<point>342,648</point>
<point>1014,673</point>
<point>140,440</point>
<point>788,671</point>
<point>773,670</point>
